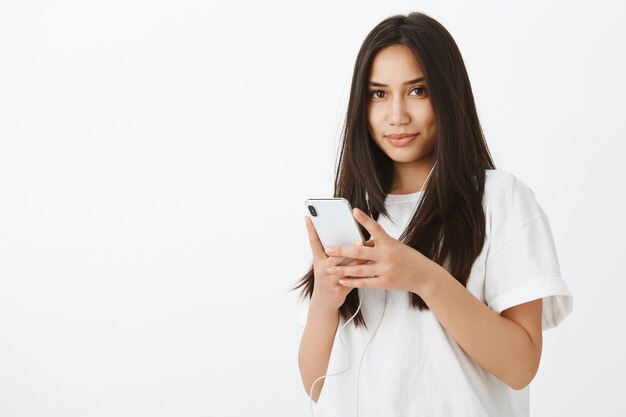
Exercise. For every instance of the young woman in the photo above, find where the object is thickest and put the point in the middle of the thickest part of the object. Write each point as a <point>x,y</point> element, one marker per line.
<point>460,275</point>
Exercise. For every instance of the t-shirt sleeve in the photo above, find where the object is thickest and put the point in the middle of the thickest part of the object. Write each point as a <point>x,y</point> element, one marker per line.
<point>301,319</point>
<point>522,263</point>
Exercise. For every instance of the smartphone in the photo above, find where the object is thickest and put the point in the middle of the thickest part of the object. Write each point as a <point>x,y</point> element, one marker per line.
<point>334,223</point>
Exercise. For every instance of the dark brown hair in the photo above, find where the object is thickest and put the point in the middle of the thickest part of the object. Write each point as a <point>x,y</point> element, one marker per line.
<point>449,225</point>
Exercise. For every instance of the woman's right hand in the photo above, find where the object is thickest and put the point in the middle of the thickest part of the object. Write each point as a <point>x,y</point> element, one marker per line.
<point>327,292</point>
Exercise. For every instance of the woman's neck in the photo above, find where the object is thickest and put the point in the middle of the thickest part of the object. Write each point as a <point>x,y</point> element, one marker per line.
<point>410,177</point>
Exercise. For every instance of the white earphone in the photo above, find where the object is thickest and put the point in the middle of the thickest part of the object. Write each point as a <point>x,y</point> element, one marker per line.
<point>349,320</point>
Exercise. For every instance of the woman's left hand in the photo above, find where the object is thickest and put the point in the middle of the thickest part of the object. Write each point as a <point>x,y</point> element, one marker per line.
<point>392,264</point>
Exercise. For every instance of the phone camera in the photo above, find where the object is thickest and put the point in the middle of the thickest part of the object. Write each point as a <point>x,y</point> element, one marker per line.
<point>312,210</point>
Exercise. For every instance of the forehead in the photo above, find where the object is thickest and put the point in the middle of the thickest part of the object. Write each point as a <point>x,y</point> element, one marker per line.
<point>394,64</point>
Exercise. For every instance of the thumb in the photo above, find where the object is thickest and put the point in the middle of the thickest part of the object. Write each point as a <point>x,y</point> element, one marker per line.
<point>316,245</point>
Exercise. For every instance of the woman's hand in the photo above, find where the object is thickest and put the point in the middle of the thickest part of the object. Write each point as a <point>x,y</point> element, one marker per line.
<point>389,264</point>
<point>327,292</point>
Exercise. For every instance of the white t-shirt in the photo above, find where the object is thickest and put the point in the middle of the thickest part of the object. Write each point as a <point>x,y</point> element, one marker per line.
<point>413,366</point>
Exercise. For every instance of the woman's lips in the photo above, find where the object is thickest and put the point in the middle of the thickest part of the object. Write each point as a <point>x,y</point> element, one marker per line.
<point>403,141</point>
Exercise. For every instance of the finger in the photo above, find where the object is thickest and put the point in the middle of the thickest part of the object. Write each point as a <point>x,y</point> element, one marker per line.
<point>363,270</point>
<point>371,225</point>
<point>314,240</point>
<point>336,260</point>
<point>373,282</point>
<point>365,252</point>
<point>370,243</point>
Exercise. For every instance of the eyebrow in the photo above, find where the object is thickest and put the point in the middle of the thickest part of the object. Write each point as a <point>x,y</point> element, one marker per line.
<point>375,84</point>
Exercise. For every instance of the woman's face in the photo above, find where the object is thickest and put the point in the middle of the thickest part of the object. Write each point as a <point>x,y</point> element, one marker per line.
<point>397,107</point>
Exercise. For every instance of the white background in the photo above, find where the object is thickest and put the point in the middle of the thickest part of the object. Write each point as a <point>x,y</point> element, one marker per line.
<point>154,161</point>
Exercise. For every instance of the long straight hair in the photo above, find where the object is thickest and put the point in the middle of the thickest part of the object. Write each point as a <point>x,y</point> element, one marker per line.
<point>448,226</point>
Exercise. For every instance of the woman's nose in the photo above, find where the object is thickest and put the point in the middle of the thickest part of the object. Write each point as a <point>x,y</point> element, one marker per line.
<point>397,112</point>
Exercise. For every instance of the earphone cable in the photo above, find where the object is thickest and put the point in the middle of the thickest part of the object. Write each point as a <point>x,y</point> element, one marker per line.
<point>347,354</point>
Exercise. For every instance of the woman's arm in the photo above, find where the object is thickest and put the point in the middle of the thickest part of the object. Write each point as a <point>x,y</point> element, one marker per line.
<point>316,346</point>
<point>507,345</point>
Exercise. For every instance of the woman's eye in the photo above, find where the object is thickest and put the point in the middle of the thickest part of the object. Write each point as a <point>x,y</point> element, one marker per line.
<point>420,88</point>
<point>373,93</point>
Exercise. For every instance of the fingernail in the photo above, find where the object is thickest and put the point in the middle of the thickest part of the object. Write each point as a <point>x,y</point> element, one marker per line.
<point>330,270</point>
<point>330,250</point>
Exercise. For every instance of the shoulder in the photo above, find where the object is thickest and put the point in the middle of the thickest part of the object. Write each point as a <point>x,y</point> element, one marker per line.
<point>499,181</point>
<point>502,184</point>
<point>507,195</point>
